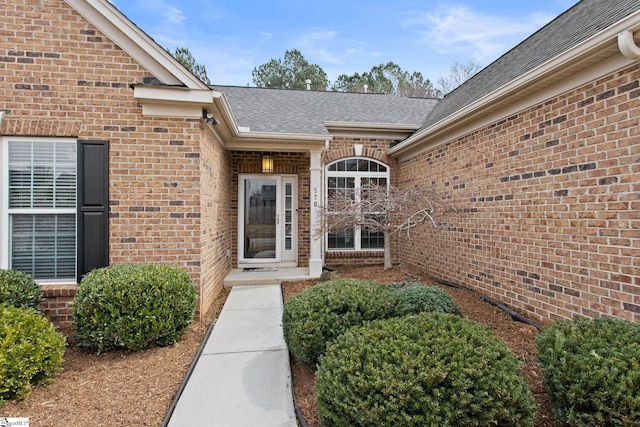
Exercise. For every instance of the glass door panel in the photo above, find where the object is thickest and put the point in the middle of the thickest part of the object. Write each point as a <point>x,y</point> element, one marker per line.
<point>261,219</point>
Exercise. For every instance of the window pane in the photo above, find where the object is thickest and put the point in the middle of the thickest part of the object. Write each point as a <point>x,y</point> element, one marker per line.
<point>371,240</point>
<point>363,165</point>
<point>44,245</point>
<point>341,240</point>
<point>342,177</point>
<point>42,175</point>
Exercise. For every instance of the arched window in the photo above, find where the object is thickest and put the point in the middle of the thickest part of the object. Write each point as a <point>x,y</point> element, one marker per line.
<point>350,175</point>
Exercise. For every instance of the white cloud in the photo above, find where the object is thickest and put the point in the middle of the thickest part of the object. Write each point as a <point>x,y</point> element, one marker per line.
<point>170,14</point>
<point>264,36</point>
<point>315,44</point>
<point>482,36</point>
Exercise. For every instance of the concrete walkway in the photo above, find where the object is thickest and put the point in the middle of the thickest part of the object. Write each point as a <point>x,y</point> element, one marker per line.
<point>242,377</point>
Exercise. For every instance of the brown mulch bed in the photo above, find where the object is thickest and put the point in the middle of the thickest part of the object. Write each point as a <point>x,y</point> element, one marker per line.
<point>115,388</point>
<point>518,336</point>
<point>125,388</point>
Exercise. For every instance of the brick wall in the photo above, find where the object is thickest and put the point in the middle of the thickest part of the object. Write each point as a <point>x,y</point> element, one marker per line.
<point>217,222</point>
<point>550,205</point>
<point>62,77</point>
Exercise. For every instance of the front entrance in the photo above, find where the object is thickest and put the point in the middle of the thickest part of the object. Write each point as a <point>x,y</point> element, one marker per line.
<point>267,222</point>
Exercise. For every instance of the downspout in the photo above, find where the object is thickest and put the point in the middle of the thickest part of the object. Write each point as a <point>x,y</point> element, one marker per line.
<point>628,46</point>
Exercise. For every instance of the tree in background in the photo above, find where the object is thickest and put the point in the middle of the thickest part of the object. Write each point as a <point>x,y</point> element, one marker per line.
<point>183,55</point>
<point>388,78</point>
<point>381,209</point>
<point>290,72</point>
<point>458,74</point>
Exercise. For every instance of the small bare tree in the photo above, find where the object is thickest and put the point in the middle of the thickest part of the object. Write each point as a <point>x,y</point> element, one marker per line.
<point>381,209</point>
<point>459,73</point>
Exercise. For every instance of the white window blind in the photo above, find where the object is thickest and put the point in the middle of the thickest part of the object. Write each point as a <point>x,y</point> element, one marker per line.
<point>42,205</point>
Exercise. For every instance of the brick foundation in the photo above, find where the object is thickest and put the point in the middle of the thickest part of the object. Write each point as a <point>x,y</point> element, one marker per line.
<point>57,303</point>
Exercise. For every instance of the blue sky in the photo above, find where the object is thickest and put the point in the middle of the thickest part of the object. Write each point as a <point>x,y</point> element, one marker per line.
<point>230,38</point>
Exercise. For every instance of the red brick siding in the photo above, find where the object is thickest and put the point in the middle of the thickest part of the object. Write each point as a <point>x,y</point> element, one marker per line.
<point>217,222</point>
<point>551,205</point>
<point>57,302</point>
<point>63,77</point>
<point>353,258</point>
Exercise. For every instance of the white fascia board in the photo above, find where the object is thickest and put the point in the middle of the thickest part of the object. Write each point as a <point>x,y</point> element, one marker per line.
<point>429,136</point>
<point>282,136</point>
<point>136,42</point>
<point>172,110</point>
<point>262,141</point>
<point>371,130</point>
<point>171,101</point>
<point>172,95</point>
<point>367,127</point>
<point>222,104</point>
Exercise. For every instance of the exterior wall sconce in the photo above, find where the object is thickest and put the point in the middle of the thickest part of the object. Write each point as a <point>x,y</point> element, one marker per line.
<point>208,116</point>
<point>267,163</point>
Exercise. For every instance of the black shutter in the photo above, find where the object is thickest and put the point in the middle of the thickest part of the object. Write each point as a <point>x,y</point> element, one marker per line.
<point>93,206</point>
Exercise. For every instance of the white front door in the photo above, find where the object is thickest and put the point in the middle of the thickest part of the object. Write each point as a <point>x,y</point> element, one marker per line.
<point>267,223</point>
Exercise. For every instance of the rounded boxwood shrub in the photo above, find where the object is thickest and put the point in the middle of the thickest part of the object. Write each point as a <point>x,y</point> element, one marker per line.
<point>316,316</point>
<point>133,307</point>
<point>592,371</point>
<point>19,289</point>
<point>430,369</point>
<point>31,351</point>
<point>418,298</point>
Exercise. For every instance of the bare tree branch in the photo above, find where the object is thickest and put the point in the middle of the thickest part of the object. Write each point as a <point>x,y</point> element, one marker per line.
<point>381,209</point>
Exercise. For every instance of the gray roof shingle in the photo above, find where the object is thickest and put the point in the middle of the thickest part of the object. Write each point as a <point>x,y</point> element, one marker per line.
<point>304,112</point>
<point>577,24</point>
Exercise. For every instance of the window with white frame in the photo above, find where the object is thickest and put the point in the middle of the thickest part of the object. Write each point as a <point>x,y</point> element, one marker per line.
<point>349,175</point>
<point>39,208</point>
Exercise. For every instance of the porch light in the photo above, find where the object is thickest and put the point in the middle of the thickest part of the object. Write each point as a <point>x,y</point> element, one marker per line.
<point>267,163</point>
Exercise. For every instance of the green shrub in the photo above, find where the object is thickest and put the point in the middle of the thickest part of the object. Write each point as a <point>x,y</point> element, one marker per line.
<point>19,289</point>
<point>592,371</point>
<point>418,298</point>
<point>31,351</point>
<point>430,369</point>
<point>133,307</point>
<point>316,316</point>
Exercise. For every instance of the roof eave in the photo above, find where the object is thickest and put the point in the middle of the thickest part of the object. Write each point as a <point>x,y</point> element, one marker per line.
<point>268,141</point>
<point>395,131</point>
<point>506,94</point>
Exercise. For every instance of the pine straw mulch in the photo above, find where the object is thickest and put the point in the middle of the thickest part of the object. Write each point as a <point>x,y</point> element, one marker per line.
<point>115,388</point>
<point>518,336</point>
